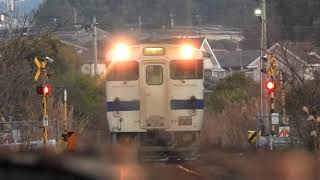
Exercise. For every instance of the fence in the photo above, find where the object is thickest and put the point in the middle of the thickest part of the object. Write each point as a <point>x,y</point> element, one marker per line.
<point>26,131</point>
<point>276,123</point>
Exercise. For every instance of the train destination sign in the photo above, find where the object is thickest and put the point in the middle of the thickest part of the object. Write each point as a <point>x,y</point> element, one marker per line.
<point>154,51</point>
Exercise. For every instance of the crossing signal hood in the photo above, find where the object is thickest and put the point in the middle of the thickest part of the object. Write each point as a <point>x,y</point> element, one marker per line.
<point>44,90</point>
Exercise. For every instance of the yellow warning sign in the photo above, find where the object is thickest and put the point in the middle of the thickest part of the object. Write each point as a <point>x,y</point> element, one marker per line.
<point>36,60</point>
<point>39,66</point>
<point>37,75</point>
<point>252,136</point>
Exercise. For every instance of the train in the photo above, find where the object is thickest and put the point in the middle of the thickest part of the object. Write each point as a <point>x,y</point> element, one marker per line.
<point>155,98</point>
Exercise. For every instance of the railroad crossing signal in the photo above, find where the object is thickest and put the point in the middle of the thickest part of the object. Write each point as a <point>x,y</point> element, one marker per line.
<point>44,89</point>
<point>40,65</point>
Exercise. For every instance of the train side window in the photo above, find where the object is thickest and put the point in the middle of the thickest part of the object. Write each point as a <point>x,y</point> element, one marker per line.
<point>154,75</point>
<point>186,69</point>
<point>124,71</point>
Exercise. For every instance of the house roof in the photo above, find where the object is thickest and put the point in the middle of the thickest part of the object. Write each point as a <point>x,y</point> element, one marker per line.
<point>302,50</point>
<point>236,59</point>
<point>314,58</point>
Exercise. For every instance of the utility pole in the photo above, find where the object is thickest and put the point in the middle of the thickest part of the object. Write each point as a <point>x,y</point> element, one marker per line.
<point>11,12</point>
<point>171,19</point>
<point>189,12</point>
<point>95,48</point>
<point>10,5</point>
<point>240,52</point>
<point>263,25</point>
<point>139,22</point>
<point>262,14</point>
<point>75,21</point>
<point>262,64</point>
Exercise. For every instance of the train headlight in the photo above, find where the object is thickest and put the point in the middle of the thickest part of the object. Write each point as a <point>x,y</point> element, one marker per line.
<point>120,52</point>
<point>186,52</point>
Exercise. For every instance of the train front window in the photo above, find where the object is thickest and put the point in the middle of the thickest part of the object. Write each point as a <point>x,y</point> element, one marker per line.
<point>154,75</point>
<point>186,69</point>
<point>123,71</point>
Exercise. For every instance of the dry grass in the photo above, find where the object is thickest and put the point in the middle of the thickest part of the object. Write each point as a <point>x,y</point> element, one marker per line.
<point>228,129</point>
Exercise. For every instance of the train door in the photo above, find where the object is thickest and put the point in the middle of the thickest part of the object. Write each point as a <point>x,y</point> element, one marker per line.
<point>154,96</point>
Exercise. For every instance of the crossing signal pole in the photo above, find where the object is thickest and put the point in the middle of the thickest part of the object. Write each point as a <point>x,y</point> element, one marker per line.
<point>44,90</point>
<point>271,89</point>
<point>69,137</point>
<point>283,100</point>
<point>271,85</point>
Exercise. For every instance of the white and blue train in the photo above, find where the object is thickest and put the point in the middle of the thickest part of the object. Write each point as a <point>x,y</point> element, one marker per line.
<point>155,97</point>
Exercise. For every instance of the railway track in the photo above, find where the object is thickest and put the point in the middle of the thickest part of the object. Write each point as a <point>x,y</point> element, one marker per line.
<point>166,170</point>
<point>212,166</point>
<point>190,171</point>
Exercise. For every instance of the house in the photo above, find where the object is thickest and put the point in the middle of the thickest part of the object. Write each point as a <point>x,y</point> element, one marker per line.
<point>298,56</point>
<point>212,67</point>
<point>237,61</point>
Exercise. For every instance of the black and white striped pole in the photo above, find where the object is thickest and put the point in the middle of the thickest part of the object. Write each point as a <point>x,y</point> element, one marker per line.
<point>65,124</point>
<point>270,85</point>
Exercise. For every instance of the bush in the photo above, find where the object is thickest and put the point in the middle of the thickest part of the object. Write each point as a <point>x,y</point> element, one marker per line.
<point>234,89</point>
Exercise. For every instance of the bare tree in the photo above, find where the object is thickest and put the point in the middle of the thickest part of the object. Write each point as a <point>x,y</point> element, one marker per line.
<point>301,67</point>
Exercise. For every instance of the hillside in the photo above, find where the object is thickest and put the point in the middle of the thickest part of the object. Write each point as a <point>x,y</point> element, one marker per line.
<point>297,20</point>
<point>116,13</point>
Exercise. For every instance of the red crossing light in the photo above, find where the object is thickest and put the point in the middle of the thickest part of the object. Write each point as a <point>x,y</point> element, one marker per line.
<point>270,85</point>
<point>44,90</point>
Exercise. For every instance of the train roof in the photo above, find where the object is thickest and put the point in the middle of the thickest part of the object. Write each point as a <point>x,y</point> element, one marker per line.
<point>196,42</point>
